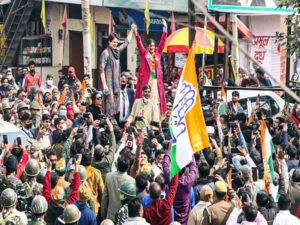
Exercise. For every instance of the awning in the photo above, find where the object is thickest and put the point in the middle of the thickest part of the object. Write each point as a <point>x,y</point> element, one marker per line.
<point>243,30</point>
<point>78,2</point>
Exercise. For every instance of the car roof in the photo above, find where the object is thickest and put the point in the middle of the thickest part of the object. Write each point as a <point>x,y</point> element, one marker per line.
<point>253,93</point>
<point>6,127</point>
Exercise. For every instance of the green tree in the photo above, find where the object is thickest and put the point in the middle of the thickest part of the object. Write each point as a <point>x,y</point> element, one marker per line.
<point>291,40</point>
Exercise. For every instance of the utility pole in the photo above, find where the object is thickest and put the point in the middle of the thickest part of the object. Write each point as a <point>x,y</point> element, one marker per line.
<point>87,46</point>
<point>191,18</point>
<point>235,49</point>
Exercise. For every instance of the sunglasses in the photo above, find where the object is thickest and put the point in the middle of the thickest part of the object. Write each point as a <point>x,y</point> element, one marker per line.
<point>99,98</point>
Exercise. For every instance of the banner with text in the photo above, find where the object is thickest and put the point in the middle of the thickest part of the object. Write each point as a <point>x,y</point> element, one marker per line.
<point>162,5</point>
<point>78,2</point>
<point>248,6</point>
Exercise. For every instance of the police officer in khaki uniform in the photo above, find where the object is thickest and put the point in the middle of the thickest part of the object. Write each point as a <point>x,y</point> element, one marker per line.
<point>9,214</point>
<point>219,211</point>
<point>30,188</point>
<point>39,207</point>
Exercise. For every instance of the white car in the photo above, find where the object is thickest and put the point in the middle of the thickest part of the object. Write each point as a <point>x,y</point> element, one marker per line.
<point>12,133</point>
<point>269,101</point>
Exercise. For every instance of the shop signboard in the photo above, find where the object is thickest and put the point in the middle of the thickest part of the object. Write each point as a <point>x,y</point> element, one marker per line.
<point>162,5</point>
<point>248,7</point>
<point>78,2</point>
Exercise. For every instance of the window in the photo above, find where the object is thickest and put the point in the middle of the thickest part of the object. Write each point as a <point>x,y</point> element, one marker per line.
<point>75,11</point>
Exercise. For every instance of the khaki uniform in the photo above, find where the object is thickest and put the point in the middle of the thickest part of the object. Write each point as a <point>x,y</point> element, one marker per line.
<point>38,222</point>
<point>111,201</point>
<point>196,215</point>
<point>217,213</point>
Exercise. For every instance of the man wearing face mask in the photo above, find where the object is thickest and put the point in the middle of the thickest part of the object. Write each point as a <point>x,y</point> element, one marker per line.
<point>32,79</point>
<point>26,124</point>
<point>3,88</point>
<point>62,112</point>
<point>60,126</point>
<point>72,80</point>
<point>11,79</point>
<point>126,100</point>
<point>48,87</point>
<point>20,77</point>
<point>143,108</point>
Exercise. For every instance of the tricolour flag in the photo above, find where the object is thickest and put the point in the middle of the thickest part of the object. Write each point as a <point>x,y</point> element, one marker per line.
<point>64,22</point>
<point>267,150</point>
<point>187,124</point>
<point>43,15</point>
<point>147,16</point>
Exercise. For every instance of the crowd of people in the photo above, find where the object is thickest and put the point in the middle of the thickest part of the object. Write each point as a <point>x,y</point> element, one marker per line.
<point>103,157</point>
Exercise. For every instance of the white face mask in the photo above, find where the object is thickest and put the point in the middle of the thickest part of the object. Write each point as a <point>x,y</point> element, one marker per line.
<point>9,77</point>
<point>50,82</point>
<point>64,126</point>
<point>63,112</point>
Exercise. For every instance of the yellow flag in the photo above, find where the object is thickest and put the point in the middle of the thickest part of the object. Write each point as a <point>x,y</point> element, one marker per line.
<point>147,16</point>
<point>43,15</point>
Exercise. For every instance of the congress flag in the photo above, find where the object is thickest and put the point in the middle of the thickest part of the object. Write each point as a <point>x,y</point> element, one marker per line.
<point>43,15</point>
<point>268,149</point>
<point>147,16</point>
<point>187,124</point>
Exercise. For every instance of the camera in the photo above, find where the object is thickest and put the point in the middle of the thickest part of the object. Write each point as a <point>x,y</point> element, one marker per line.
<point>232,124</point>
<point>154,123</point>
<point>253,127</point>
<point>86,115</point>
<point>139,118</point>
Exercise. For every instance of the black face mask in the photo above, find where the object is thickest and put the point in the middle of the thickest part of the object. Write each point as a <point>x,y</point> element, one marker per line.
<point>53,166</point>
<point>28,126</point>
<point>123,86</point>
<point>32,71</point>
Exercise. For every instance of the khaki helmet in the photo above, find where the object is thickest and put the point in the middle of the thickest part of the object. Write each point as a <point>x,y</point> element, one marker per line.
<point>32,168</point>
<point>71,214</point>
<point>128,188</point>
<point>5,105</point>
<point>83,173</point>
<point>21,105</point>
<point>8,198</point>
<point>39,205</point>
<point>41,175</point>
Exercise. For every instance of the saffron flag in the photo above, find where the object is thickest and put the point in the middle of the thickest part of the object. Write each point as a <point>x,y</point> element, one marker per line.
<point>64,22</point>
<point>173,25</point>
<point>43,15</point>
<point>267,150</point>
<point>147,16</point>
<point>224,95</point>
<point>187,124</point>
<point>111,23</point>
